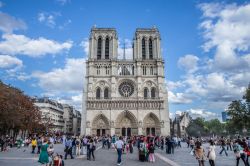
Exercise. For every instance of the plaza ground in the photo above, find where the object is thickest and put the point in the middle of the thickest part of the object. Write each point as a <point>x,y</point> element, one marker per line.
<point>105,157</point>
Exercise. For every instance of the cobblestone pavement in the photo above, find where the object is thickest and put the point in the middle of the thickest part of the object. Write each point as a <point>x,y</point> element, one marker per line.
<point>182,157</point>
<point>104,157</point>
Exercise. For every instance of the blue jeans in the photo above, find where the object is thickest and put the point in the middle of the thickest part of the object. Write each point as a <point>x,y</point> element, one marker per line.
<point>119,152</point>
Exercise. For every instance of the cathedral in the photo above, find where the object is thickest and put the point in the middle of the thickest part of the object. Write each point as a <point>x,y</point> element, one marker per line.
<point>125,96</point>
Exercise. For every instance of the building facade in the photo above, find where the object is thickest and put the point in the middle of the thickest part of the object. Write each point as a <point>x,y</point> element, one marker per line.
<point>180,124</point>
<point>59,118</point>
<point>51,113</point>
<point>125,96</point>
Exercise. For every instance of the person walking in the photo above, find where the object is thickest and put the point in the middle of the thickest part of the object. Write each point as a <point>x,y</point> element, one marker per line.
<point>78,146</point>
<point>44,156</point>
<point>39,145</point>
<point>33,144</point>
<point>238,151</point>
<point>223,146</point>
<point>118,146</point>
<point>68,148</point>
<point>211,154</point>
<point>92,148</point>
<point>151,150</point>
<point>200,154</point>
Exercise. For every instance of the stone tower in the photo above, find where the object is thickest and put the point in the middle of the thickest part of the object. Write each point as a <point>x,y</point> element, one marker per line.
<point>121,96</point>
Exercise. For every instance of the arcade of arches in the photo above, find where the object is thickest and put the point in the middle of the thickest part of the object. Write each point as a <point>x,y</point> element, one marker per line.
<point>126,124</point>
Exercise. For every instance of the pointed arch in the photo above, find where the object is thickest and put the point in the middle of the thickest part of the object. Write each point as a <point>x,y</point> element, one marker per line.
<point>106,93</point>
<point>145,93</point>
<point>99,48</point>
<point>143,47</point>
<point>98,93</point>
<point>126,119</point>
<point>153,92</point>
<point>151,124</point>
<point>107,48</point>
<point>100,121</point>
<point>150,47</point>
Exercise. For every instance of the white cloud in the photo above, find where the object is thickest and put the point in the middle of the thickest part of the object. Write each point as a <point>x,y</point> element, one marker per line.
<point>13,44</point>
<point>178,98</point>
<point>194,113</point>
<point>7,61</point>
<point>227,29</point>
<point>49,19</point>
<point>74,100</point>
<point>8,23</point>
<point>68,79</point>
<point>171,85</point>
<point>188,62</point>
<point>85,45</point>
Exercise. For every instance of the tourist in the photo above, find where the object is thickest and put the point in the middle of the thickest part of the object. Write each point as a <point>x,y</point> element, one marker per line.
<point>229,145</point>
<point>239,153</point>
<point>39,145</point>
<point>92,148</point>
<point>131,149</point>
<point>44,157</point>
<point>191,143</point>
<point>68,148</point>
<point>211,154</point>
<point>162,143</point>
<point>247,151</point>
<point>88,148</point>
<point>151,149</point>
<point>118,146</point>
<point>33,145</point>
<point>223,146</point>
<point>199,154</point>
<point>78,146</point>
<point>74,146</point>
<point>142,150</point>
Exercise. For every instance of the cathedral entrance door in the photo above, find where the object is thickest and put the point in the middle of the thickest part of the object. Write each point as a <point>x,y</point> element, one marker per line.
<point>126,131</point>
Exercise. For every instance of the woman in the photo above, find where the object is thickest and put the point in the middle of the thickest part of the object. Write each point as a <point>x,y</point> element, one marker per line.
<point>200,154</point>
<point>238,151</point>
<point>91,149</point>
<point>44,157</point>
<point>142,150</point>
<point>151,149</point>
<point>211,154</point>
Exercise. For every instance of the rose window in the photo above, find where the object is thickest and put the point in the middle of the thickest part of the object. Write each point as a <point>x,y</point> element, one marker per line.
<point>126,88</point>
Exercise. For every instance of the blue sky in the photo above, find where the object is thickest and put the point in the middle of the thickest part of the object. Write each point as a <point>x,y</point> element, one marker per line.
<point>205,45</point>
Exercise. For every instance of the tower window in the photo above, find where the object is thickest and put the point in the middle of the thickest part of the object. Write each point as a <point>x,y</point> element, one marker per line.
<point>99,48</point>
<point>107,48</point>
<point>145,93</point>
<point>143,46</point>
<point>98,70</point>
<point>151,70</point>
<point>153,93</point>
<point>106,93</point>
<point>150,47</point>
<point>98,93</point>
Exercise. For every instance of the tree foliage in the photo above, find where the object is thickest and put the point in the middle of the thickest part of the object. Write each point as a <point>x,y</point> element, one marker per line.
<point>239,112</point>
<point>17,111</point>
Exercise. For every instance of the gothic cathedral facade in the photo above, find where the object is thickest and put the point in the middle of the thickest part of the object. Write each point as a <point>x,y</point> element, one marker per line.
<point>125,96</point>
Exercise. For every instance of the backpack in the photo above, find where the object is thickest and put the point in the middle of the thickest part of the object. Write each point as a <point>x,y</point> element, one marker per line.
<point>77,142</point>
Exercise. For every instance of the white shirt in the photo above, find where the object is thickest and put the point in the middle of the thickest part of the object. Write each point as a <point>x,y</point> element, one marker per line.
<point>119,144</point>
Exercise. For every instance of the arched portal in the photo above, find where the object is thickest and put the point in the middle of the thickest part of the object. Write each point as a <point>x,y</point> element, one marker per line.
<point>151,125</point>
<point>126,124</point>
<point>100,125</point>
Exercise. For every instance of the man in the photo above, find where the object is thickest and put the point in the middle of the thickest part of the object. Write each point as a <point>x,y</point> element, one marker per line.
<point>119,145</point>
<point>33,144</point>
<point>223,146</point>
<point>68,148</point>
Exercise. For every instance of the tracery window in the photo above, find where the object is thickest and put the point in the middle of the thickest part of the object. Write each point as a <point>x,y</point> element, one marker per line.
<point>151,70</point>
<point>106,93</point>
<point>153,93</point>
<point>150,47</point>
<point>126,88</point>
<point>145,93</point>
<point>107,48</point>
<point>99,48</point>
<point>143,46</point>
<point>98,93</point>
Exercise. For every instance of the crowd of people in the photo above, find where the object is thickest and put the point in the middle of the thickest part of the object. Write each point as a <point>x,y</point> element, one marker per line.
<point>75,146</point>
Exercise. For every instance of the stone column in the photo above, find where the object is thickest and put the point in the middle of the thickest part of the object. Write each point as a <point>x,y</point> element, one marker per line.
<point>154,49</point>
<point>111,41</point>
